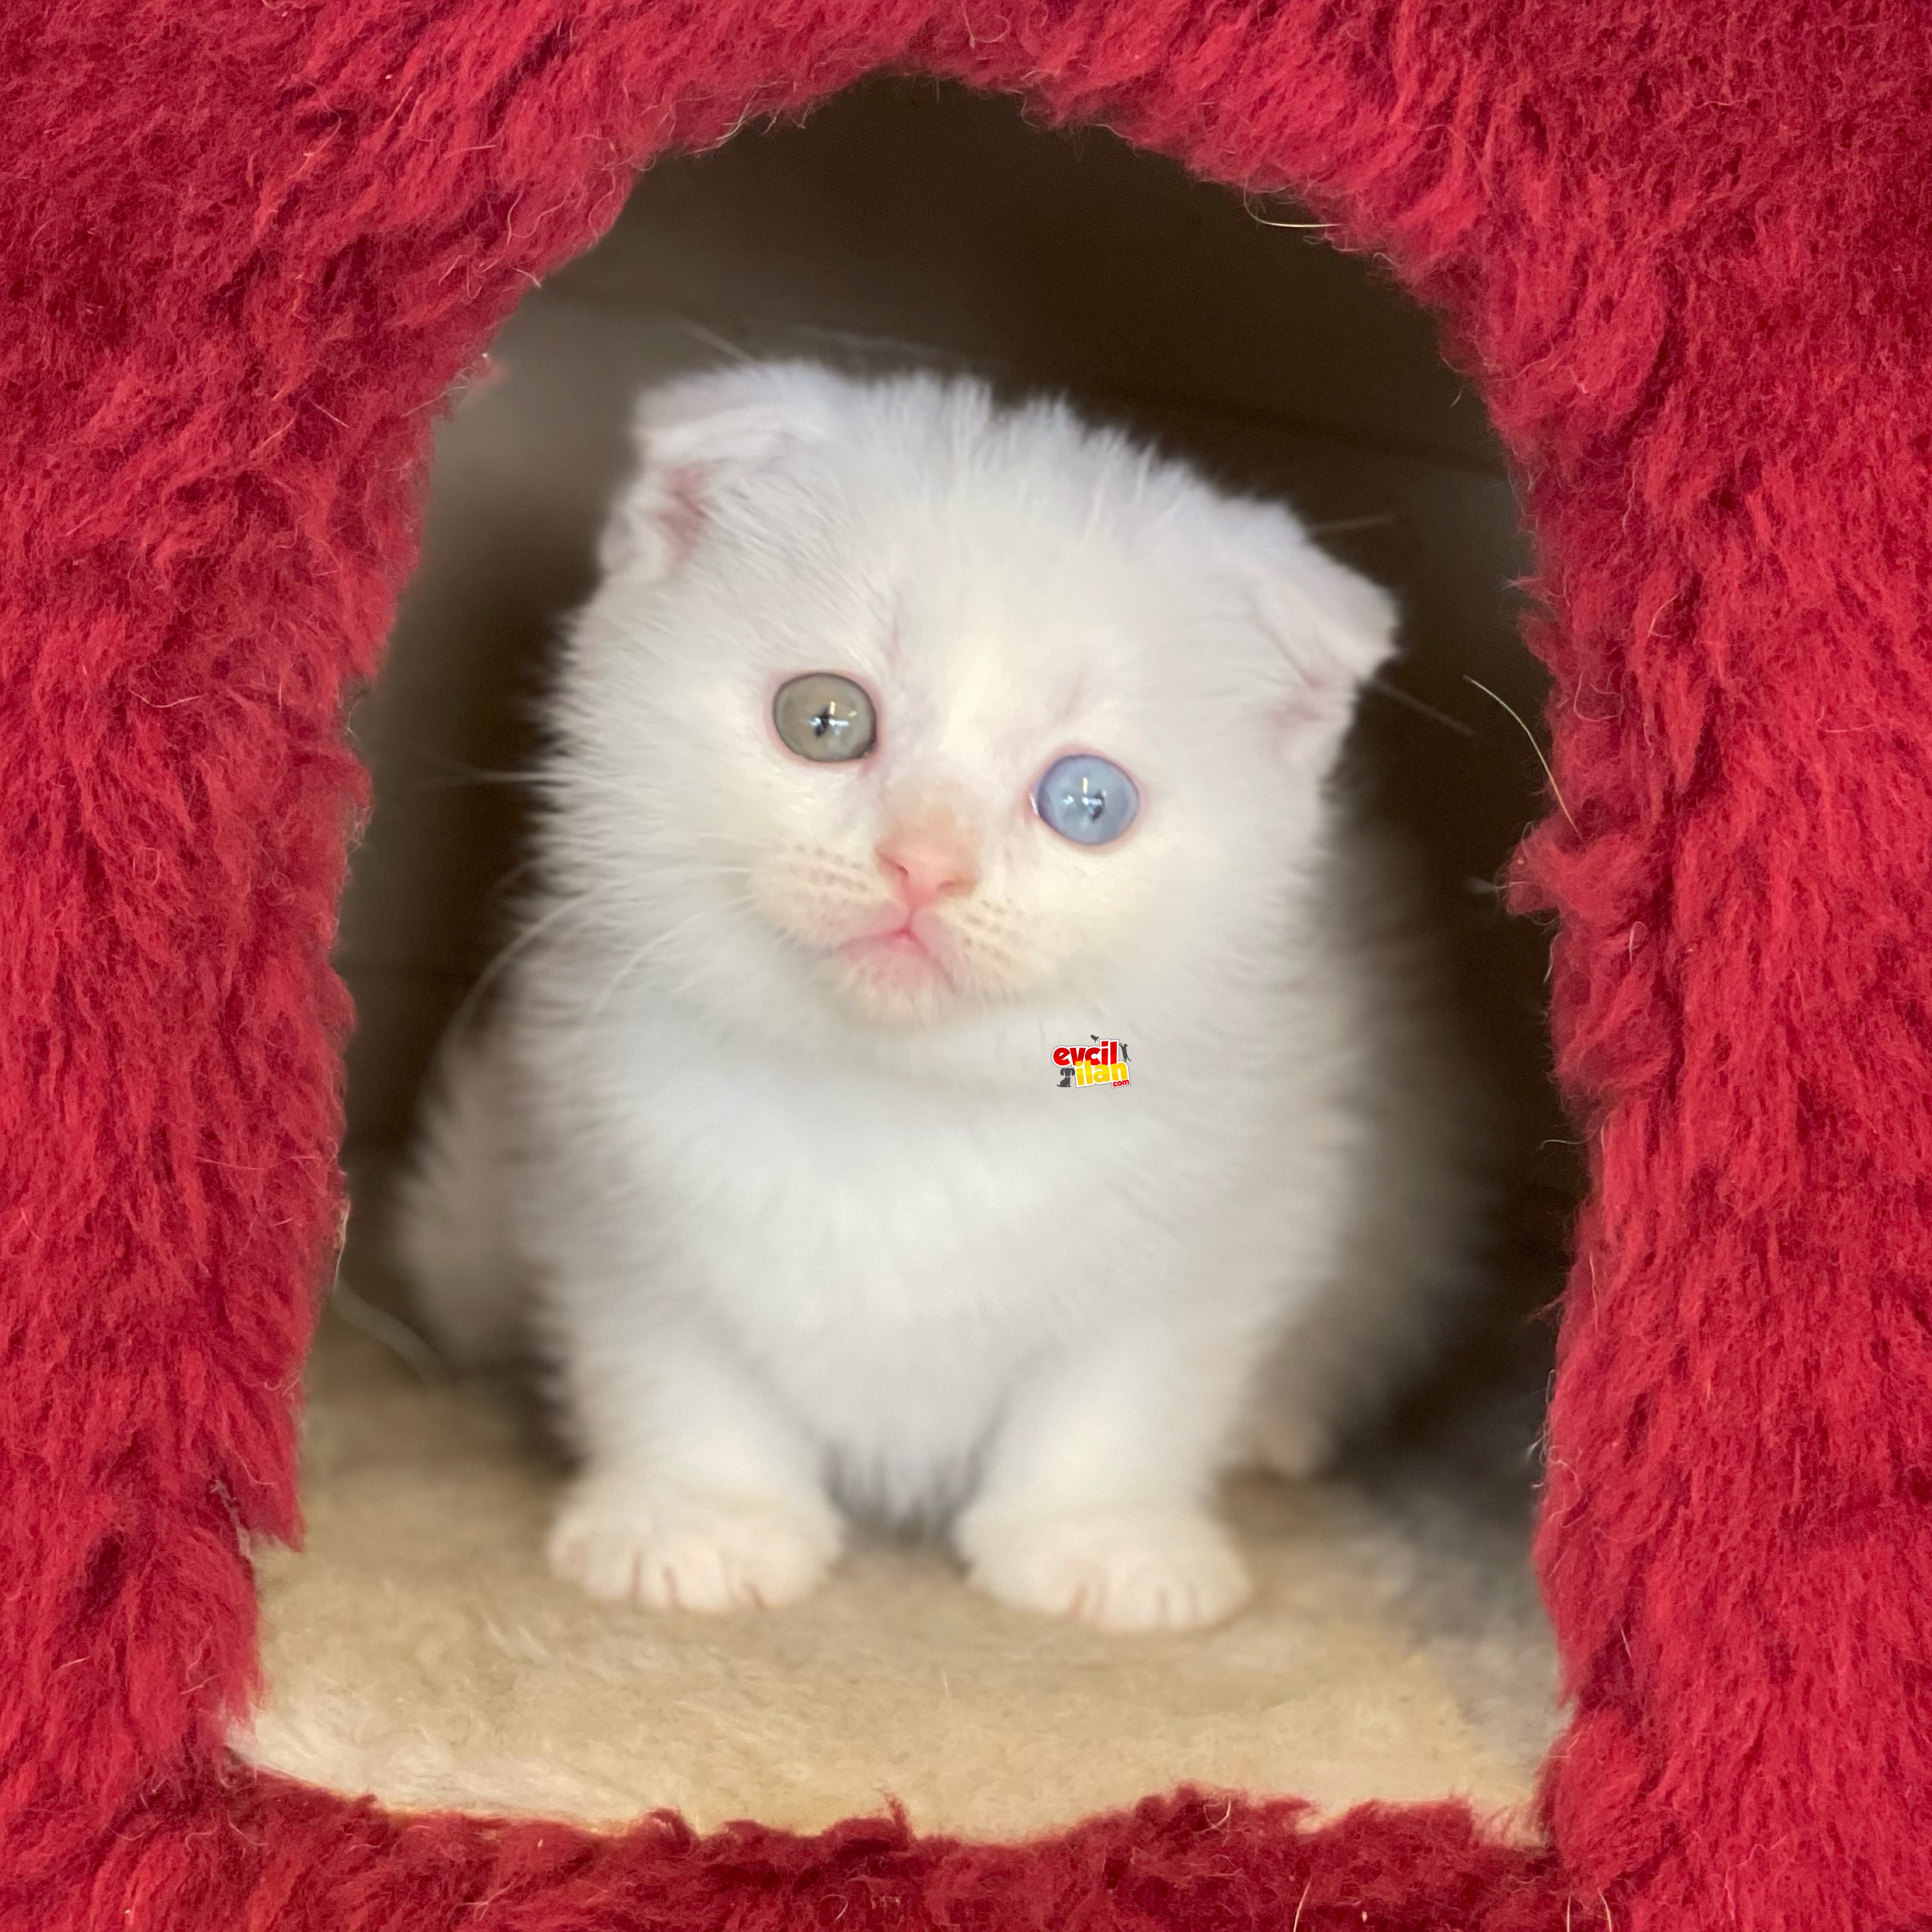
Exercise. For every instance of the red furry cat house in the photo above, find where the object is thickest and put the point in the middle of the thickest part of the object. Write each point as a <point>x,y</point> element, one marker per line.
<point>1682,251</point>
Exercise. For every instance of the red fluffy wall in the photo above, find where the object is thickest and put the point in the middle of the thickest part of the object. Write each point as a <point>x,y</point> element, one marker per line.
<point>1682,247</point>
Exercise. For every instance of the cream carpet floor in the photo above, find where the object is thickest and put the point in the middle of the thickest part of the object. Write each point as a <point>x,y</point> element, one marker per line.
<point>417,1649</point>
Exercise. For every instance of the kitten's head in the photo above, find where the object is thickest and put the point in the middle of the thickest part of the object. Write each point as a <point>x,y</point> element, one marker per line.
<point>898,708</point>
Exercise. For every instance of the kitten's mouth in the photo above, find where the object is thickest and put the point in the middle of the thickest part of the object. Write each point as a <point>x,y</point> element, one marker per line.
<point>911,952</point>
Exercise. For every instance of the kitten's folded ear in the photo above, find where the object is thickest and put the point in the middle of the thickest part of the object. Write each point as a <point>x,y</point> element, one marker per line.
<point>1334,629</point>
<point>696,438</point>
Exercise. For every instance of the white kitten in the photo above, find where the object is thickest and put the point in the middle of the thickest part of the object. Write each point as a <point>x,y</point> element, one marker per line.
<point>771,1115</point>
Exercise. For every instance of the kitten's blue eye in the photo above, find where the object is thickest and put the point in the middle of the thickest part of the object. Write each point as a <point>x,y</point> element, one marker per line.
<point>1087,799</point>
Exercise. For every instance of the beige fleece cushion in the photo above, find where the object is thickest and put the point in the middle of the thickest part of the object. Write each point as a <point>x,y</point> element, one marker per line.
<point>418,1650</point>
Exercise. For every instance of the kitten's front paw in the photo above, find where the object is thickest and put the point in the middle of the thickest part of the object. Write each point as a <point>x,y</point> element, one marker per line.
<point>673,1548</point>
<point>1122,1569</point>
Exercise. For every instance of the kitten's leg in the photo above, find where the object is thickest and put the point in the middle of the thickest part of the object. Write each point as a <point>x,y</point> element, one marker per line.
<point>699,1493</point>
<point>1095,1499</point>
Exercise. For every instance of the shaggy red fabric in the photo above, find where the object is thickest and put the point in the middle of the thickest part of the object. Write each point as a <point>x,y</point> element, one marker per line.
<point>1683,249</point>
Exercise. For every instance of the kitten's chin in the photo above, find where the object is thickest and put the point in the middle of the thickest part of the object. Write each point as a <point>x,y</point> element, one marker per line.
<point>914,976</point>
<point>894,980</point>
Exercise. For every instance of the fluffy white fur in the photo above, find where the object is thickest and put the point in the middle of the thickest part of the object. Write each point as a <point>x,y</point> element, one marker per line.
<point>809,1224</point>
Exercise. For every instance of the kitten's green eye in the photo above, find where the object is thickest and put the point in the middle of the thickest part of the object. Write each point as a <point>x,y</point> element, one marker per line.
<point>824,717</point>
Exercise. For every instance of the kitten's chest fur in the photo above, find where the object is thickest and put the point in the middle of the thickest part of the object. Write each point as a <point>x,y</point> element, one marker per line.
<point>892,1254</point>
<point>836,1197</point>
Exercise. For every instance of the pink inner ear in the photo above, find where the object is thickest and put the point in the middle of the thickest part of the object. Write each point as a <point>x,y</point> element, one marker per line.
<point>681,510</point>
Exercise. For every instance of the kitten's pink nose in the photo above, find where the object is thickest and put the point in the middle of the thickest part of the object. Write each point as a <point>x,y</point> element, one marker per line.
<point>931,857</point>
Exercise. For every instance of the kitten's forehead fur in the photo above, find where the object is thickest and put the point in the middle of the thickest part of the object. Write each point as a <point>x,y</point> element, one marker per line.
<point>934,469</point>
<point>1009,584</point>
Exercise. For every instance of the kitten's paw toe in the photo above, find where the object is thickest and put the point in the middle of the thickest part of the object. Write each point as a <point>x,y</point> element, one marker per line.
<point>1119,1569</point>
<point>673,1549</point>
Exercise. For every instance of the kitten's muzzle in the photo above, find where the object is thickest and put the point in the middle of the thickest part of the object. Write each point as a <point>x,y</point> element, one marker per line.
<point>928,856</point>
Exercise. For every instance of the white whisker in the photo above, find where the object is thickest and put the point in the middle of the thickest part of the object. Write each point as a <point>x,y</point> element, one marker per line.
<point>637,959</point>
<point>464,1017</point>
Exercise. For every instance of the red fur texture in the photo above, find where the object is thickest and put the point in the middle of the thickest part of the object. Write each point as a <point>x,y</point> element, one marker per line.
<point>1682,249</point>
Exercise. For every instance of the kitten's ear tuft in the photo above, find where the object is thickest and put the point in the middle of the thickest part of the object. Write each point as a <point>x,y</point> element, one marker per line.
<point>1333,627</point>
<point>696,439</point>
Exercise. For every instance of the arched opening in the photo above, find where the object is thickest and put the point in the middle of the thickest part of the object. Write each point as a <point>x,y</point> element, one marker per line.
<point>418,1649</point>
